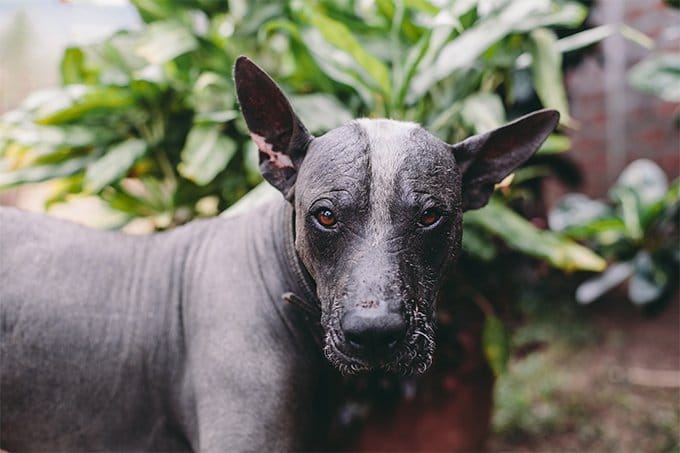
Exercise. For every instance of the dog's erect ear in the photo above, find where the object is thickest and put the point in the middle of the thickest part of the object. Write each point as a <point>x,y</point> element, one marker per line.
<point>278,133</point>
<point>486,159</point>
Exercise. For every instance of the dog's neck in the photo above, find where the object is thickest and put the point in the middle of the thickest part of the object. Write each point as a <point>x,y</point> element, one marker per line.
<point>302,293</point>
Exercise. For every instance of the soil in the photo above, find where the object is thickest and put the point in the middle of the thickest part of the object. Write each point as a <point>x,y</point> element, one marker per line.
<point>621,393</point>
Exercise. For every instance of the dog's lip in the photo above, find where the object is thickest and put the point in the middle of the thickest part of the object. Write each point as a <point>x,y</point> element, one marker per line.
<point>390,345</point>
<point>368,361</point>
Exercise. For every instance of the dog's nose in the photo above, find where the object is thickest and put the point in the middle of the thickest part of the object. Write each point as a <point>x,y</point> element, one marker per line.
<point>373,335</point>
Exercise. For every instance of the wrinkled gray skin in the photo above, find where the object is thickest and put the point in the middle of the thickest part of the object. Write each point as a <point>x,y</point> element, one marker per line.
<point>378,263</point>
<point>176,341</point>
<point>181,340</point>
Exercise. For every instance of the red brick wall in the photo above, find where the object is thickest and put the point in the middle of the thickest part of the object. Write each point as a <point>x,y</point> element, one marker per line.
<point>617,123</point>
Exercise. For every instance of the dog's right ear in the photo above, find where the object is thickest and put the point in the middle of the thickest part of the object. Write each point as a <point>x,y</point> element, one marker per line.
<point>485,159</point>
<point>275,128</point>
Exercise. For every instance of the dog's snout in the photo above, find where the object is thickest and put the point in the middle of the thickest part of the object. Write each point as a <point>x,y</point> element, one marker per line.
<point>373,335</point>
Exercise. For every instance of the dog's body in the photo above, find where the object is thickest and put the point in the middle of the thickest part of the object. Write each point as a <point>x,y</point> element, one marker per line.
<point>166,342</point>
<point>182,341</point>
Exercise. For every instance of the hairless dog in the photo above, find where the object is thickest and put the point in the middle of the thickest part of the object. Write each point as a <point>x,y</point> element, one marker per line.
<point>180,341</point>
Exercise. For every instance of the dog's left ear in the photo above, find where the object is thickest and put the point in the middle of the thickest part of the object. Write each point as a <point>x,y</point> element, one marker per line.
<point>275,128</point>
<point>486,159</point>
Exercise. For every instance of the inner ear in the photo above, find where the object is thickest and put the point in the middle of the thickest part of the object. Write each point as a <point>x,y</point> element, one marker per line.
<point>279,134</point>
<point>486,159</point>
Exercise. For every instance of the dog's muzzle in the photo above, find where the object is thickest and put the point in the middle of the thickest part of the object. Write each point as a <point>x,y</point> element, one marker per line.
<point>365,340</point>
<point>373,336</point>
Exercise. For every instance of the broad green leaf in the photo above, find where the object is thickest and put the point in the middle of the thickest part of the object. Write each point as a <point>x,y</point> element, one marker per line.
<point>437,38</point>
<point>136,206</point>
<point>164,41</point>
<point>519,234</point>
<point>212,93</point>
<point>578,217</point>
<point>320,112</point>
<point>338,35</point>
<point>605,231</point>
<point>597,34</point>
<point>496,344</point>
<point>527,173</point>
<point>72,66</point>
<point>576,209</point>
<point>157,192</point>
<point>592,36</point>
<point>566,14</point>
<point>555,144</point>
<point>223,116</point>
<point>115,164</point>
<point>594,288</point>
<point>34,136</point>
<point>672,196</point>
<point>117,61</point>
<point>658,74</point>
<point>61,188</point>
<point>337,65</point>
<point>646,179</point>
<point>76,101</point>
<point>43,172</point>
<point>261,194</point>
<point>546,67</point>
<point>251,164</point>
<point>648,281</point>
<point>483,112</point>
<point>445,117</point>
<point>585,38</point>
<point>636,36</point>
<point>638,191</point>
<point>478,245</point>
<point>153,10</point>
<point>465,49</point>
<point>421,5</point>
<point>410,67</point>
<point>629,207</point>
<point>206,153</point>
<point>396,17</point>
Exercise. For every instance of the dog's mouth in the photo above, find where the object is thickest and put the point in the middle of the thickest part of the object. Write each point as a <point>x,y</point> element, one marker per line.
<point>410,356</point>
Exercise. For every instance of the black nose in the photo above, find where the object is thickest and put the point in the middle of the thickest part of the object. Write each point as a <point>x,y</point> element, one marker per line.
<point>374,334</point>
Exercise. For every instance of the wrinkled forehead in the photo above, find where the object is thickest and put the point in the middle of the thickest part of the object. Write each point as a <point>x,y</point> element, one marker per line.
<point>376,153</point>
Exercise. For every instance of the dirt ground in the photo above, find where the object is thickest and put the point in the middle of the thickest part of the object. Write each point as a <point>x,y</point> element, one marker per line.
<point>620,393</point>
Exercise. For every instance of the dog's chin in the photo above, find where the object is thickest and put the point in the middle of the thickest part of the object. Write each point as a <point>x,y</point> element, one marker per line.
<point>413,357</point>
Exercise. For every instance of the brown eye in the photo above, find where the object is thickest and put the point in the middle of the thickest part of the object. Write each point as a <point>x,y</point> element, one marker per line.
<point>429,217</point>
<point>326,218</point>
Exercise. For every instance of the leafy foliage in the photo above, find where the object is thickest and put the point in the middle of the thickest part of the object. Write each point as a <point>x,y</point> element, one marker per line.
<point>147,119</point>
<point>658,74</point>
<point>637,231</point>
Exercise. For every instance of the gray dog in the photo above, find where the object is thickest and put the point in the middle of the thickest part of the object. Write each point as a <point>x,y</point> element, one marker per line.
<point>181,340</point>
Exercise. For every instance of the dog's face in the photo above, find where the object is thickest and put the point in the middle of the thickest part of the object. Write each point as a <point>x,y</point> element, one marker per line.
<point>378,216</point>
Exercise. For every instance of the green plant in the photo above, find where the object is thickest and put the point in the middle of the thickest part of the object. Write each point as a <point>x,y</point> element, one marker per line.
<point>637,231</point>
<point>147,120</point>
<point>659,73</point>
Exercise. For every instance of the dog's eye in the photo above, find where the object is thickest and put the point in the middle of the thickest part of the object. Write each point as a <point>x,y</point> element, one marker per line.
<point>429,217</point>
<point>325,217</point>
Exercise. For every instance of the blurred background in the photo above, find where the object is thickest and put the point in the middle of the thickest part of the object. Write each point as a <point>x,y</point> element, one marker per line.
<point>121,114</point>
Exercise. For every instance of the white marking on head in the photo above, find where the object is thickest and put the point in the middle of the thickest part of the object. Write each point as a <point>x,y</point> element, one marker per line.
<point>276,158</point>
<point>388,149</point>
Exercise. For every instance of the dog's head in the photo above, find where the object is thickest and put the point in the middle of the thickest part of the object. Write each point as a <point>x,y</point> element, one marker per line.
<point>378,216</point>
